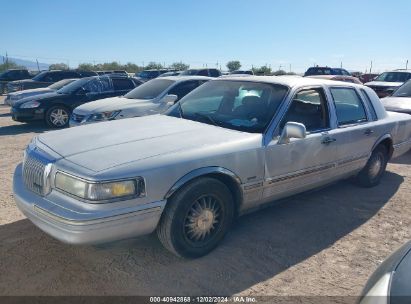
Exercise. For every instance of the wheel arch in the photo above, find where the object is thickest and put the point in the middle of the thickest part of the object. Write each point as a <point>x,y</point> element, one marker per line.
<point>227,177</point>
<point>385,140</point>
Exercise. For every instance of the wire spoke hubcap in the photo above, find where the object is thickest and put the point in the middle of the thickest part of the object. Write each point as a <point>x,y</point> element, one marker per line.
<point>202,219</point>
<point>59,117</point>
<point>376,166</point>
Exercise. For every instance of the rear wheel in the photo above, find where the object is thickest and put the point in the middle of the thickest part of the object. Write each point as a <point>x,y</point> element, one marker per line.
<point>58,117</point>
<point>371,174</point>
<point>197,218</point>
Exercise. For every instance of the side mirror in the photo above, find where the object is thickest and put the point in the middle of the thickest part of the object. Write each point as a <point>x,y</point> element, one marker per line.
<point>292,130</point>
<point>169,99</point>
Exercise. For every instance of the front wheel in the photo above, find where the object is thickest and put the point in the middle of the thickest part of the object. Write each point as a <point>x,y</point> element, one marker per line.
<point>196,218</point>
<point>371,174</point>
<point>57,117</point>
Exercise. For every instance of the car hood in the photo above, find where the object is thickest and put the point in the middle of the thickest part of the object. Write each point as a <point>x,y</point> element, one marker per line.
<point>132,140</point>
<point>383,84</point>
<point>397,103</point>
<point>108,104</point>
<point>39,97</point>
<point>21,94</point>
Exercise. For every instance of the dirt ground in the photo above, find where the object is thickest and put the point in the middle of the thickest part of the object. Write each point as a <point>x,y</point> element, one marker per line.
<point>325,242</point>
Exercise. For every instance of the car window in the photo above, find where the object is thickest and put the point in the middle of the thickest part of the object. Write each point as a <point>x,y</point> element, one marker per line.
<point>367,100</point>
<point>182,89</point>
<point>55,76</point>
<point>202,73</point>
<point>120,84</point>
<point>150,90</point>
<point>98,85</point>
<point>394,77</point>
<point>404,90</point>
<point>214,73</point>
<point>238,105</point>
<point>348,105</point>
<point>308,107</point>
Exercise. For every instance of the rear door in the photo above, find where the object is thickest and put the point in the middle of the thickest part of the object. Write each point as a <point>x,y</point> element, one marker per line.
<point>355,127</point>
<point>122,85</point>
<point>97,88</point>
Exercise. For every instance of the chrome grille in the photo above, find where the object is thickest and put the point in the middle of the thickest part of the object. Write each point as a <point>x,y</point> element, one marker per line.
<point>34,173</point>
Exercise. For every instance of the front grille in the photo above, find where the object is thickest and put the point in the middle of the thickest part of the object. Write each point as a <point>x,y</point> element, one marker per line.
<point>34,173</point>
<point>77,118</point>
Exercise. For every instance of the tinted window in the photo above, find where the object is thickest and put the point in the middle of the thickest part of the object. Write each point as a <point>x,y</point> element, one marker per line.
<point>348,106</point>
<point>149,90</point>
<point>202,73</point>
<point>369,104</point>
<point>239,105</point>
<point>308,107</point>
<point>182,89</point>
<point>214,73</point>
<point>122,84</point>
<point>59,84</point>
<point>394,77</point>
<point>98,85</point>
<point>404,90</point>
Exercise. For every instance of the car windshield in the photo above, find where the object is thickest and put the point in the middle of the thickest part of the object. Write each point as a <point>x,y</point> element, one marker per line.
<point>59,84</point>
<point>148,74</point>
<point>404,90</point>
<point>39,76</point>
<point>239,105</point>
<point>150,90</point>
<point>394,77</point>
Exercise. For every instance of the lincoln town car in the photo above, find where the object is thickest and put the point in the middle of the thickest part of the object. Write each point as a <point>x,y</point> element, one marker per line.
<point>230,146</point>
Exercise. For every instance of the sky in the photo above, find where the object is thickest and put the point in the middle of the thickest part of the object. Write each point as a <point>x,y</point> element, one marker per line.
<point>284,34</point>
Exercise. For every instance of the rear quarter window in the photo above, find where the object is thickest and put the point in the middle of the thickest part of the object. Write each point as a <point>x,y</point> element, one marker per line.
<point>369,104</point>
<point>348,105</point>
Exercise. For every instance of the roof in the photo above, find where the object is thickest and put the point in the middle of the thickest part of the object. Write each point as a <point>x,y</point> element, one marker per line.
<point>290,81</point>
<point>183,78</point>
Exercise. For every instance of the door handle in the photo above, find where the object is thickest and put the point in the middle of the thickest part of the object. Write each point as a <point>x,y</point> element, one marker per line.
<point>328,140</point>
<point>368,132</point>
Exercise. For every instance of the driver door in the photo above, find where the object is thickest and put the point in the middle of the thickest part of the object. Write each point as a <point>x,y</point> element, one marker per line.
<point>304,163</point>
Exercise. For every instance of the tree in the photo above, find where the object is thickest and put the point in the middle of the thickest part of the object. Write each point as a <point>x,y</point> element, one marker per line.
<point>58,66</point>
<point>280,72</point>
<point>180,66</point>
<point>233,65</point>
<point>86,67</point>
<point>153,66</point>
<point>263,70</point>
<point>10,65</point>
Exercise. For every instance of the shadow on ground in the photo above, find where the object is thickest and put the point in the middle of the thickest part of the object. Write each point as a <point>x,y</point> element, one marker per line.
<point>260,246</point>
<point>37,127</point>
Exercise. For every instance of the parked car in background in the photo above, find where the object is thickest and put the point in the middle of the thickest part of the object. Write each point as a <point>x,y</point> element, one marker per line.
<point>400,100</point>
<point>228,147</point>
<point>151,74</point>
<point>391,282</point>
<point>12,75</point>
<point>202,72</point>
<point>46,78</point>
<point>385,84</point>
<point>152,97</point>
<point>55,108</point>
<point>338,78</point>
<point>242,72</point>
<point>326,71</point>
<point>364,78</point>
<point>121,72</point>
<point>174,73</point>
<point>13,97</point>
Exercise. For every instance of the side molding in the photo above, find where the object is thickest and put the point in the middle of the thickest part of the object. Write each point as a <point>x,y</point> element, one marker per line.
<point>201,172</point>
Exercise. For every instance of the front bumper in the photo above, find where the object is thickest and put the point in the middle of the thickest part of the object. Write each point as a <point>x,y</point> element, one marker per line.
<point>25,115</point>
<point>85,226</point>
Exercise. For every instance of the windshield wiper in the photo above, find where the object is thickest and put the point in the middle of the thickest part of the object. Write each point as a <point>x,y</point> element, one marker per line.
<point>208,117</point>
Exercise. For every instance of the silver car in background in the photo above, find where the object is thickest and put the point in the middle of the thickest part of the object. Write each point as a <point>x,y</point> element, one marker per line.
<point>13,97</point>
<point>152,97</point>
<point>229,147</point>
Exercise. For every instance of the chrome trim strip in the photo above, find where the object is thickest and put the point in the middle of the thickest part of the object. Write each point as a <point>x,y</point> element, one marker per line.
<point>352,159</point>
<point>63,220</point>
<point>253,186</point>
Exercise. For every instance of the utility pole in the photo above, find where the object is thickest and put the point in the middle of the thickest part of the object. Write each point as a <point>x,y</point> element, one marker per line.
<point>371,67</point>
<point>38,66</point>
<point>290,67</point>
<point>406,65</point>
<point>341,64</point>
<point>7,61</point>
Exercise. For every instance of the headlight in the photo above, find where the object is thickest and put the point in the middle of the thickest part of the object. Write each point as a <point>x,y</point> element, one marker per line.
<point>103,116</point>
<point>30,105</point>
<point>100,191</point>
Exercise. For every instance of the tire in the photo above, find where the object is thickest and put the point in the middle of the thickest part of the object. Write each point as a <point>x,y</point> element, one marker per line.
<point>196,218</point>
<point>57,117</point>
<point>371,174</point>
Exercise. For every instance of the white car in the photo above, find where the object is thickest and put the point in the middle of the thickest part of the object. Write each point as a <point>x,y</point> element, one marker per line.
<point>153,97</point>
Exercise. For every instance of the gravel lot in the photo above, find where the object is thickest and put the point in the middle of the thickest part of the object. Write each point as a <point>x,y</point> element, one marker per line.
<point>325,242</point>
